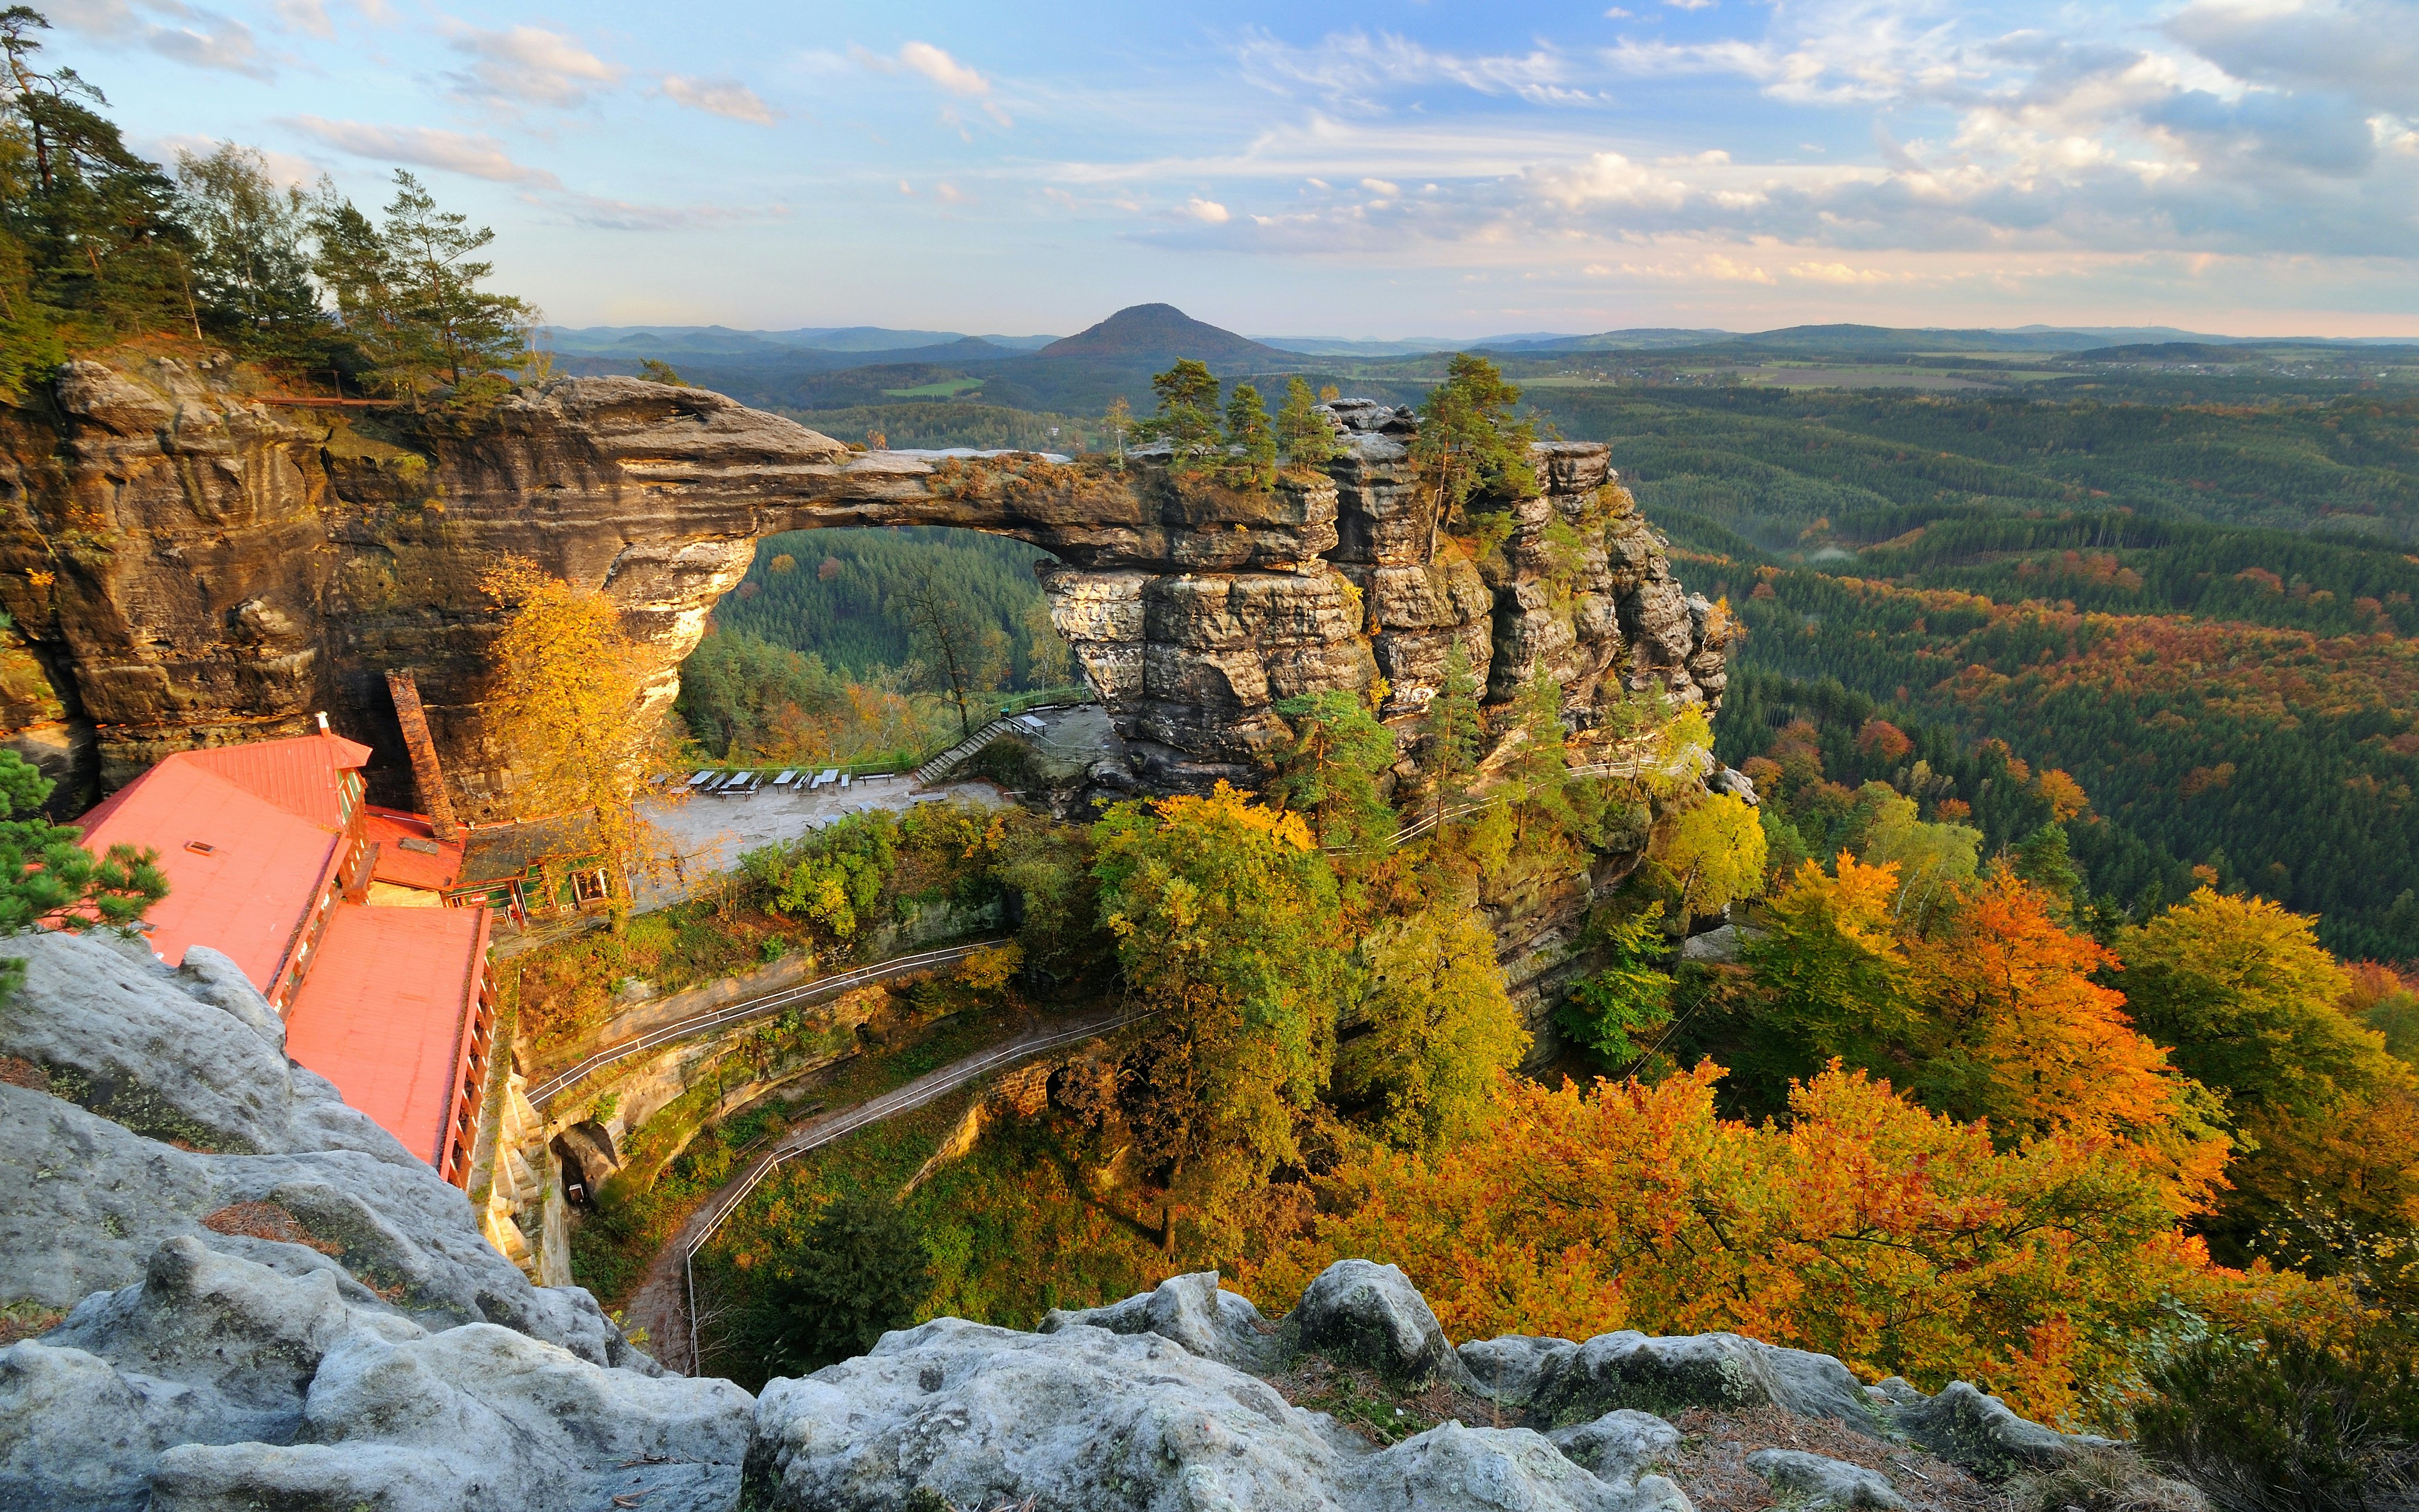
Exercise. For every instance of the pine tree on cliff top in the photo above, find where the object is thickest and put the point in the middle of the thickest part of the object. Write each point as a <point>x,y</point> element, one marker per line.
<point>1308,439</point>
<point>1188,414</point>
<point>1250,444</point>
<point>1468,439</point>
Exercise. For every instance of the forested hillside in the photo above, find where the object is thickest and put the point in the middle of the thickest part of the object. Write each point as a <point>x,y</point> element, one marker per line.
<point>2202,612</point>
<point>837,594</point>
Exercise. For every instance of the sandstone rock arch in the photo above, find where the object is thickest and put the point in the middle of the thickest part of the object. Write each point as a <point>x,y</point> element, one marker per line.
<point>188,565</point>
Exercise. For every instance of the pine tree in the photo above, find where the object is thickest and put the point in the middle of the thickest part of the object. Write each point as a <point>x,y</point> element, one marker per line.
<point>1449,732</point>
<point>1468,439</point>
<point>1250,444</point>
<point>1306,435</point>
<point>1188,414</point>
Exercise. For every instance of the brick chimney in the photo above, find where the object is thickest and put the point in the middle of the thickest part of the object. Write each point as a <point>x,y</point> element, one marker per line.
<point>426,774</point>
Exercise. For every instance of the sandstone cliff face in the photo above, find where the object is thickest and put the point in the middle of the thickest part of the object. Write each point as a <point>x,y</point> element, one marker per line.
<point>243,1295</point>
<point>186,565</point>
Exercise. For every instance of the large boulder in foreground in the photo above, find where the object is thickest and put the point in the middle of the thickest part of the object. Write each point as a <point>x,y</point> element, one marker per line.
<point>269,1301</point>
<point>1083,1417</point>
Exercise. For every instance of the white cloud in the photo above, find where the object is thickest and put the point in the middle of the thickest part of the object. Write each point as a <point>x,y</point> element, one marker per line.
<point>943,70</point>
<point>1715,265</point>
<point>950,194</point>
<point>602,214</point>
<point>421,146</point>
<point>726,97</point>
<point>1351,69</point>
<point>527,66</point>
<point>1206,210</point>
<point>1837,273</point>
<point>1690,5</point>
<point>1380,186</point>
<point>192,36</point>
<point>1607,177</point>
<point>952,76</point>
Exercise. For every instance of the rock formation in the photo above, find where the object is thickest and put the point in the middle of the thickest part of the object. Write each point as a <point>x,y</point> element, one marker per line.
<point>243,1295</point>
<point>187,563</point>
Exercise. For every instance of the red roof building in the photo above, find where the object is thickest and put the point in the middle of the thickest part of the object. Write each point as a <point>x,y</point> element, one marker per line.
<point>397,1013</point>
<point>272,858</point>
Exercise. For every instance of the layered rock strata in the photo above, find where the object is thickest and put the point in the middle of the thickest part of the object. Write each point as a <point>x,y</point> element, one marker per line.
<point>187,563</point>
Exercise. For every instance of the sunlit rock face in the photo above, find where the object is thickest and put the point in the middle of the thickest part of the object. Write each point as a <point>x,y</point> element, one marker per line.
<point>188,565</point>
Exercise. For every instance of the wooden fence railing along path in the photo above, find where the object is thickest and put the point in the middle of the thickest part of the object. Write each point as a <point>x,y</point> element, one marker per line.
<point>754,1008</point>
<point>708,1221</point>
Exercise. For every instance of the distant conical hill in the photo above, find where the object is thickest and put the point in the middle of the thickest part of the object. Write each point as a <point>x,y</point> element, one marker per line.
<point>1162,333</point>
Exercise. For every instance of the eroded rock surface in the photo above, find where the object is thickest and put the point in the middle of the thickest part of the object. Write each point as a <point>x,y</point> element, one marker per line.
<point>186,564</point>
<point>269,1301</point>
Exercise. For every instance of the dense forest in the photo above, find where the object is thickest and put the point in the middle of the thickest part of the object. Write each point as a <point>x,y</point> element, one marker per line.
<point>2075,578</point>
<point>833,593</point>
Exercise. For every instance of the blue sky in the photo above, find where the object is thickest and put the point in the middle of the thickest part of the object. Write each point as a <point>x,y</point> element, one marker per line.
<point>1379,170</point>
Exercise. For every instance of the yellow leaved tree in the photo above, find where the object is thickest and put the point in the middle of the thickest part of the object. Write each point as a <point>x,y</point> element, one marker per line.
<point>573,713</point>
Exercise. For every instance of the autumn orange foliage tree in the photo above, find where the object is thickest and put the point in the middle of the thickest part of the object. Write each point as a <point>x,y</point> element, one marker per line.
<point>1901,1241</point>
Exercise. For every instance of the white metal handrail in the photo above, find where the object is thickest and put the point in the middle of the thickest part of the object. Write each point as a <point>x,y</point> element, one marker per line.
<point>563,1080</point>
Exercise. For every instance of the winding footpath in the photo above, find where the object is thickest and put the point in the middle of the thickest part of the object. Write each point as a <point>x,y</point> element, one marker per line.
<point>544,1092</point>
<point>664,1304</point>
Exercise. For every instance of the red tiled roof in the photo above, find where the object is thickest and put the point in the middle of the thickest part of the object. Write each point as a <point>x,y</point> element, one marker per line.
<point>383,1011</point>
<point>300,774</point>
<point>262,867</point>
<point>388,829</point>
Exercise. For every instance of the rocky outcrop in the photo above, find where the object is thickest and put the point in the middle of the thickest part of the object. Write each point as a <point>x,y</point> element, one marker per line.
<point>188,563</point>
<point>267,1300</point>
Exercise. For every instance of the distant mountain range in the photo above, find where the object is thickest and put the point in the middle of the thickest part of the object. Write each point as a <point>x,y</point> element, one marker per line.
<point>1162,333</point>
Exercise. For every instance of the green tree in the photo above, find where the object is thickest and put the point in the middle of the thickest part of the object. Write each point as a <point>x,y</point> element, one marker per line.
<point>2248,1001</point>
<point>655,370</point>
<point>861,1272</point>
<point>1449,732</point>
<point>50,881</point>
<point>1331,771</point>
<point>1187,419</point>
<point>408,293</point>
<point>965,658</point>
<point>1538,766</point>
<point>1831,976</point>
<point>1610,1010</point>
<point>97,223</point>
<point>1306,435</point>
<point>1431,1030</point>
<point>252,268</point>
<point>2043,859</point>
<point>1469,440</point>
<point>1250,444</point>
<point>460,331</point>
<point>1226,917</point>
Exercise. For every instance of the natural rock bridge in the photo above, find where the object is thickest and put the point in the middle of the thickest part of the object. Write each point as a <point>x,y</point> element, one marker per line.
<point>188,565</point>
